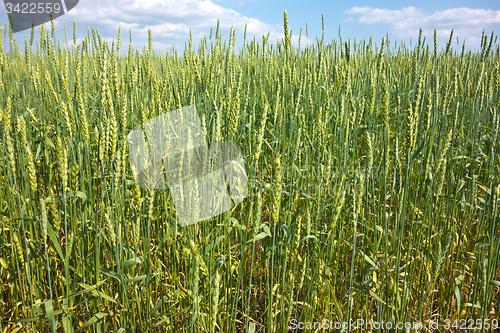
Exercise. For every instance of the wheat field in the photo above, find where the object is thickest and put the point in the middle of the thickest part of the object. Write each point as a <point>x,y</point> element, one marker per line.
<point>374,178</point>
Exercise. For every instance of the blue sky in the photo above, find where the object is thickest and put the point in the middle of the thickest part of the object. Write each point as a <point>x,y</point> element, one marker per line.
<point>171,20</point>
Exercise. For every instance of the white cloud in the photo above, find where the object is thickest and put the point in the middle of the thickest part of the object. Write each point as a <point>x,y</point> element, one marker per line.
<point>169,21</point>
<point>468,23</point>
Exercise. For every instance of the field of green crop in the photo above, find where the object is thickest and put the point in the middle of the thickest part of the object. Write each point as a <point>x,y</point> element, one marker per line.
<point>374,175</point>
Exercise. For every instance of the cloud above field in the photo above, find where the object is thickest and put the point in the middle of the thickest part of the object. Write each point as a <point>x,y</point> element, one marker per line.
<point>169,20</point>
<point>468,23</point>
